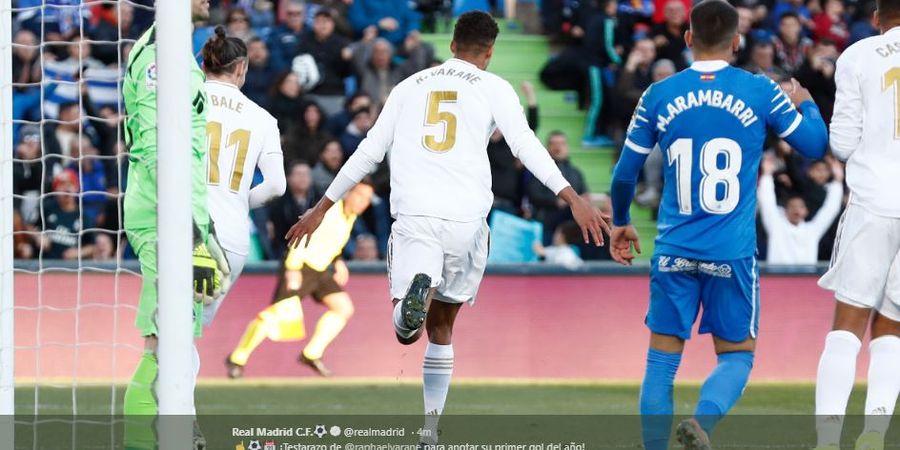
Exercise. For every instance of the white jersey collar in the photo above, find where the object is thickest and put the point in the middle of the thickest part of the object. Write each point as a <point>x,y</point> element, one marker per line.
<point>893,30</point>
<point>222,83</point>
<point>709,66</point>
<point>462,62</point>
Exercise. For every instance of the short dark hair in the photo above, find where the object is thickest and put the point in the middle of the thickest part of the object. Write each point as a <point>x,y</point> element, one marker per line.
<point>713,24</point>
<point>789,15</point>
<point>475,31</point>
<point>888,11</point>
<point>221,53</point>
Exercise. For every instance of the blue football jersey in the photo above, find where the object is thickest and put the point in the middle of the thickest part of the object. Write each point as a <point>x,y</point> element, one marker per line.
<point>710,122</point>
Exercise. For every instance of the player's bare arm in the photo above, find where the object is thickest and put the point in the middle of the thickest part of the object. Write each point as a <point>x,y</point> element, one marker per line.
<point>593,223</point>
<point>308,222</point>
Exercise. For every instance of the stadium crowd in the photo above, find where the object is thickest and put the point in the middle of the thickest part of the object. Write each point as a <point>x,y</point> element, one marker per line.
<point>323,69</point>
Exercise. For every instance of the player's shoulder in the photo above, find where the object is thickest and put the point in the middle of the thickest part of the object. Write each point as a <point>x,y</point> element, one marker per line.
<point>852,53</point>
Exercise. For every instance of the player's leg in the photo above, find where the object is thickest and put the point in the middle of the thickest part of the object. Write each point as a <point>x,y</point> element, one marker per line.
<point>863,252</point>
<point>437,367</point>
<point>730,298</point>
<point>415,262</point>
<point>340,309</point>
<point>236,262</point>
<point>884,366</point>
<point>140,407</point>
<point>674,304</point>
<point>281,321</point>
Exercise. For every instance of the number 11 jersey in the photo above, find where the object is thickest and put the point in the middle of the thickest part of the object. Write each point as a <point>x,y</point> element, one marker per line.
<point>710,122</point>
<point>239,133</point>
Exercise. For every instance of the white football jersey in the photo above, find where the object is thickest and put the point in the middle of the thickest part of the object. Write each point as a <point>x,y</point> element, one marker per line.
<point>436,125</point>
<point>239,133</point>
<point>865,128</point>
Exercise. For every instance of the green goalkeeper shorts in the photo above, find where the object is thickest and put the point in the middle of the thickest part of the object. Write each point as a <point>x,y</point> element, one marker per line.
<point>143,241</point>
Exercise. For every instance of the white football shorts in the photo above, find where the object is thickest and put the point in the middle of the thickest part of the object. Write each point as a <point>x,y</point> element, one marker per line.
<point>864,270</point>
<point>453,254</point>
<point>236,263</point>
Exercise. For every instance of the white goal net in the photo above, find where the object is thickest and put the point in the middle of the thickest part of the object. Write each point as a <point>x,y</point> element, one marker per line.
<point>69,282</point>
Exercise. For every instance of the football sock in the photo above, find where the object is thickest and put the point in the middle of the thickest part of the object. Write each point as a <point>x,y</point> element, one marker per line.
<point>282,321</point>
<point>399,326</point>
<point>328,327</point>
<point>656,398</point>
<point>834,381</point>
<point>723,388</point>
<point>884,383</point>
<point>140,407</point>
<point>436,372</point>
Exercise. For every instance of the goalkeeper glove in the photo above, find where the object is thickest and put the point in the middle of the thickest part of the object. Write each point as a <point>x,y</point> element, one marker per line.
<point>222,266</point>
<point>206,276</point>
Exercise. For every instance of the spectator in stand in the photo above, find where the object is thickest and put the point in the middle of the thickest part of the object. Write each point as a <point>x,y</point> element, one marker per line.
<point>791,239</point>
<point>795,7</point>
<point>366,248</point>
<point>309,136</point>
<point>339,11</point>
<point>392,20</point>
<point>28,173</point>
<point>669,35</point>
<point>331,158</point>
<point>259,72</point>
<point>634,78</point>
<point>61,220</point>
<point>79,55</point>
<point>64,132</point>
<point>113,21</point>
<point>92,179</point>
<point>285,102</point>
<point>563,250</point>
<point>547,207</point>
<point>332,54</point>
<point>506,169</point>
<point>865,24</point>
<point>602,51</point>
<point>25,63</point>
<point>745,30</point>
<point>830,24</point>
<point>338,122</point>
<point>356,131</point>
<point>285,41</point>
<point>23,238</point>
<point>791,46</point>
<point>378,73</point>
<point>285,210</point>
<point>104,248</point>
<point>762,61</point>
<point>817,75</point>
<point>237,24</point>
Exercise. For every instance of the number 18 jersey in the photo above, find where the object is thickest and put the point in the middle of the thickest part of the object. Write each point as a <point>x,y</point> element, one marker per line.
<point>238,133</point>
<point>710,122</point>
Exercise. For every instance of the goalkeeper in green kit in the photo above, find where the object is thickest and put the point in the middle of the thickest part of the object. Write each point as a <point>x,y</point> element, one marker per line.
<point>210,266</point>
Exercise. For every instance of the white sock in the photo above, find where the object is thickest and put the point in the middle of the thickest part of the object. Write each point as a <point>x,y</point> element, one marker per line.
<point>834,381</point>
<point>884,383</point>
<point>399,326</point>
<point>436,372</point>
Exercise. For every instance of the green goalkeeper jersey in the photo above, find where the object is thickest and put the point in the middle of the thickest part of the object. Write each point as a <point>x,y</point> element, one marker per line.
<point>139,92</point>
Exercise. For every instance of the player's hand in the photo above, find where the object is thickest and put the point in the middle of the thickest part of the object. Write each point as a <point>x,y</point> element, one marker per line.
<point>798,93</point>
<point>593,223</point>
<point>341,273</point>
<point>305,226</point>
<point>293,279</point>
<point>837,169</point>
<point>206,275</point>
<point>768,164</point>
<point>388,24</point>
<point>621,241</point>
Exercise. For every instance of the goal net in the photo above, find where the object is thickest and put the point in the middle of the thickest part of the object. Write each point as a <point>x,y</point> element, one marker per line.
<point>69,281</point>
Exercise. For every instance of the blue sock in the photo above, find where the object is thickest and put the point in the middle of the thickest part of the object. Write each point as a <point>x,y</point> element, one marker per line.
<point>657,405</point>
<point>723,388</point>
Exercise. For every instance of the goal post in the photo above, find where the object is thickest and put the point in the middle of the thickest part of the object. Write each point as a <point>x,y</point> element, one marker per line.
<point>174,179</point>
<point>7,331</point>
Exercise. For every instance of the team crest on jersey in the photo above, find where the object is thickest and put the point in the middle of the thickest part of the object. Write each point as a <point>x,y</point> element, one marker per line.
<point>150,77</point>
